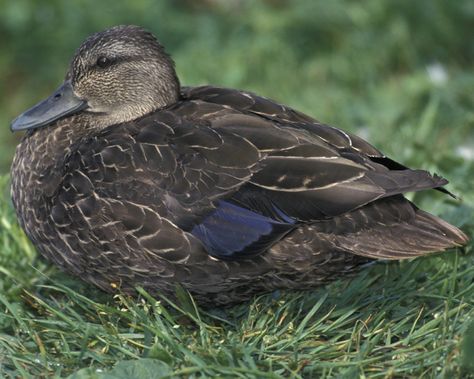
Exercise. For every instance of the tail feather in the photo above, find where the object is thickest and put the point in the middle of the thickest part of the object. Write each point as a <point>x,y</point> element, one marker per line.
<point>390,228</point>
<point>423,234</point>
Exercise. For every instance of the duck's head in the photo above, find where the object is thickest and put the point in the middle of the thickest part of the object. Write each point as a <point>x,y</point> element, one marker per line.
<point>116,75</point>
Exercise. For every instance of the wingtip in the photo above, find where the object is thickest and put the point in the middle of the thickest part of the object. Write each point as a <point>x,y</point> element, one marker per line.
<point>449,193</point>
<point>453,236</point>
<point>441,182</point>
<point>424,234</point>
<point>463,239</point>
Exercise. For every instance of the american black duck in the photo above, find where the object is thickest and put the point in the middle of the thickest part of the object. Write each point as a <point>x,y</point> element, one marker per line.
<point>126,179</point>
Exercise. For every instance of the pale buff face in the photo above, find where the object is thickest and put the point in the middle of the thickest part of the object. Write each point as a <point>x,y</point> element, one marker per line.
<point>123,73</point>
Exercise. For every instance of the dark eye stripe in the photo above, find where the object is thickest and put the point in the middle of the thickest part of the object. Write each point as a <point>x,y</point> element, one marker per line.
<point>104,62</point>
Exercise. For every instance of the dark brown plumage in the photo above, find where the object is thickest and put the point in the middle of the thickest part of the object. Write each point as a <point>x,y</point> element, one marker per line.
<point>125,180</point>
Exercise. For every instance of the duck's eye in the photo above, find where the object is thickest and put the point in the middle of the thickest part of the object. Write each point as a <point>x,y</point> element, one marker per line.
<point>104,62</point>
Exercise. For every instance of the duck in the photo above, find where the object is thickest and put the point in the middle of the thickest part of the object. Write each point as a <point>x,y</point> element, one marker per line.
<point>126,179</point>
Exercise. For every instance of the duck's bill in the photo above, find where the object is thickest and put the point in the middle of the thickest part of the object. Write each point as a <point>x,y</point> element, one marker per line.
<point>63,102</point>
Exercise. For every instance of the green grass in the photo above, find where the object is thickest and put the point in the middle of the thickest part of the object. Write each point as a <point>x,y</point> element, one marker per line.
<point>362,66</point>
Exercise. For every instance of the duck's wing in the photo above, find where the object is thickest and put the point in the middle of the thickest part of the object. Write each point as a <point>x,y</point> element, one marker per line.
<point>306,180</point>
<point>310,173</point>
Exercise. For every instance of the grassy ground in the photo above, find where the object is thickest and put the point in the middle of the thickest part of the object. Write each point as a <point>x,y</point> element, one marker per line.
<point>398,73</point>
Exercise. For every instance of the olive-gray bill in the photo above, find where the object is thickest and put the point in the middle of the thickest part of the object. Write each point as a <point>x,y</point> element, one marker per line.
<point>63,102</point>
<point>124,179</point>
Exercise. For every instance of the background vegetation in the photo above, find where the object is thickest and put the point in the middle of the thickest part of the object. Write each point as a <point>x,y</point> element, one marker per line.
<point>399,73</point>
